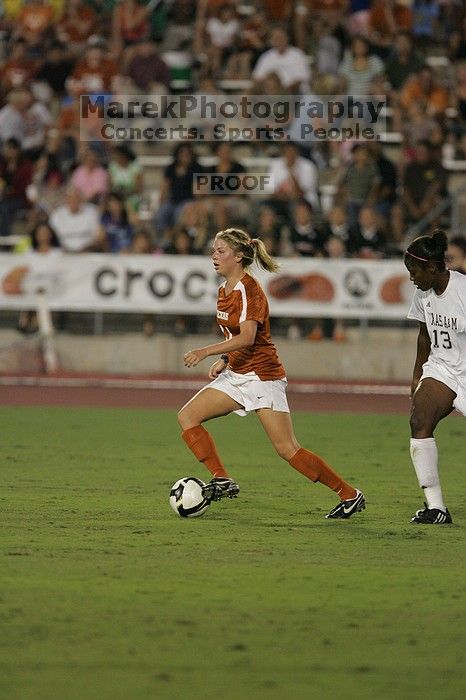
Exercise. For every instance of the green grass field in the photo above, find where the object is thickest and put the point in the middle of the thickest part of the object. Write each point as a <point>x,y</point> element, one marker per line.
<point>105,594</point>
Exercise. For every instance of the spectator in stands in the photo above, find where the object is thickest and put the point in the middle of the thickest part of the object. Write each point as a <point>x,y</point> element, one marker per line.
<point>76,25</point>
<point>196,220</point>
<point>219,37</point>
<point>76,223</point>
<point>278,10</point>
<point>335,248</point>
<point>126,176</point>
<point>267,227</point>
<point>367,240</point>
<point>66,134</point>
<point>94,73</point>
<point>358,68</point>
<point>424,184</point>
<point>316,20</point>
<point>146,70</point>
<point>130,24</point>
<point>115,231</point>
<point>141,243</point>
<point>181,243</point>
<point>459,93</point>
<point>233,208</point>
<point>457,42</point>
<point>359,183</point>
<point>15,177</point>
<point>403,61</point>
<point>306,238</point>
<point>288,62</point>
<point>328,51</point>
<point>385,195</point>
<point>386,19</point>
<point>55,70</point>
<point>12,116</point>
<point>90,178</point>
<point>35,24</point>
<point>423,86</point>
<point>45,192</point>
<point>425,20</point>
<point>437,139</point>
<point>358,17</point>
<point>416,125</point>
<point>177,186</point>
<point>44,242</point>
<point>37,121</point>
<point>18,70</point>
<point>335,225</point>
<point>293,177</point>
<point>456,254</point>
<point>251,44</point>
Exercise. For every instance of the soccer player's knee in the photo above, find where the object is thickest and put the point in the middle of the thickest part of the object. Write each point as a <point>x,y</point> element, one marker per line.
<point>184,419</point>
<point>285,450</point>
<point>418,422</point>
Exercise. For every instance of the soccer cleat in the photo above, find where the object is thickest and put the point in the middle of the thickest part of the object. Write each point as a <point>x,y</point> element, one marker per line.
<point>432,516</point>
<point>345,509</point>
<point>220,487</point>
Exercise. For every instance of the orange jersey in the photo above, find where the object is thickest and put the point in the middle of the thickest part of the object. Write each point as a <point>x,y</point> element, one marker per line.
<point>247,302</point>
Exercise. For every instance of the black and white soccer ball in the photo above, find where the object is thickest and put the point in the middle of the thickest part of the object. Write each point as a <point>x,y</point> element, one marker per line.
<point>186,497</point>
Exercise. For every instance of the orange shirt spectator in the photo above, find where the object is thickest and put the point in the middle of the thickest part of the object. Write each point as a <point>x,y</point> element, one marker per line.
<point>94,73</point>
<point>34,20</point>
<point>77,22</point>
<point>278,10</point>
<point>130,23</point>
<point>18,70</point>
<point>422,87</point>
<point>388,16</point>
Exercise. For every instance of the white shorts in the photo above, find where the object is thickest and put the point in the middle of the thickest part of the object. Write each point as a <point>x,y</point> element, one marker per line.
<point>438,372</point>
<point>251,392</point>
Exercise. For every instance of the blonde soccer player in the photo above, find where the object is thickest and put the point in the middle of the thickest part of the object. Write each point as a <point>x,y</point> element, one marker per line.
<point>248,376</point>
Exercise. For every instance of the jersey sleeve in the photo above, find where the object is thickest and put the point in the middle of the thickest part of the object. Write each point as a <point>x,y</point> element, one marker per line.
<point>416,310</point>
<point>256,305</point>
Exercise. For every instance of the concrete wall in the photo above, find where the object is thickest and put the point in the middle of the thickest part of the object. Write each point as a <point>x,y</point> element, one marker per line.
<point>375,354</point>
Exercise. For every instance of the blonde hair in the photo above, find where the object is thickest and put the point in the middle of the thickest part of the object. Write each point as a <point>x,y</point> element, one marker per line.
<point>252,249</point>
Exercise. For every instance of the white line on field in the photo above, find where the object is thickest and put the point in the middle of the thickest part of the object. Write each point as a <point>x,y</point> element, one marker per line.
<point>194,385</point>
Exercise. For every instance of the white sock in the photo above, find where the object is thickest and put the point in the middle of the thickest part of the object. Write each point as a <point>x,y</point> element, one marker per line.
<point>424,455</point>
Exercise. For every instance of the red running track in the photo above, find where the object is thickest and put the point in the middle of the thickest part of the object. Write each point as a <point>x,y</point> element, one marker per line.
<point>328,397</point>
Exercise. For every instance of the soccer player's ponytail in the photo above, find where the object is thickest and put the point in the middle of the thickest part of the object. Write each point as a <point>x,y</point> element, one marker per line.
<point>261,256</point>
<point>430,248</point>
<point>252,249</point>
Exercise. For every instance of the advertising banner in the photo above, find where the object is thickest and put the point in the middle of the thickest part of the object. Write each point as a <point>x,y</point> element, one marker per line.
<point>164,284</point>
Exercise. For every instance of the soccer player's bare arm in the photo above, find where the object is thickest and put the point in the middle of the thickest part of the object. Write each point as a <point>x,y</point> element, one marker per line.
<point>244,339</point>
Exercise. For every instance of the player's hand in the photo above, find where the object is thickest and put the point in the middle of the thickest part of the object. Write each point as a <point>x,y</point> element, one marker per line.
<point>193,357</point>
<point>216,369</point>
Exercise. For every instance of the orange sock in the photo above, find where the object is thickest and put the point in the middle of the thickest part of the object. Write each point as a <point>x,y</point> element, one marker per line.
<point>203,447</point>
<point>314,467</point>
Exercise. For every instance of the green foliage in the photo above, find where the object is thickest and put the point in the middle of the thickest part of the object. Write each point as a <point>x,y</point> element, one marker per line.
<point>106,595</point>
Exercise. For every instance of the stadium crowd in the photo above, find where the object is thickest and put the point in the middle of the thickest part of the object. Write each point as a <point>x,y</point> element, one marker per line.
<point>95,196</point>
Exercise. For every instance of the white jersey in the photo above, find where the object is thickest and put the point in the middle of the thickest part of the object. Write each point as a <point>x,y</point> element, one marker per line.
<point>445,318</point>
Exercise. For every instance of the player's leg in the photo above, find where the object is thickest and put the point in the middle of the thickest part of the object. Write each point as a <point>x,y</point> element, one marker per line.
<point>279,428</point>
<point>206,404</point>
<point>432,401</point>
